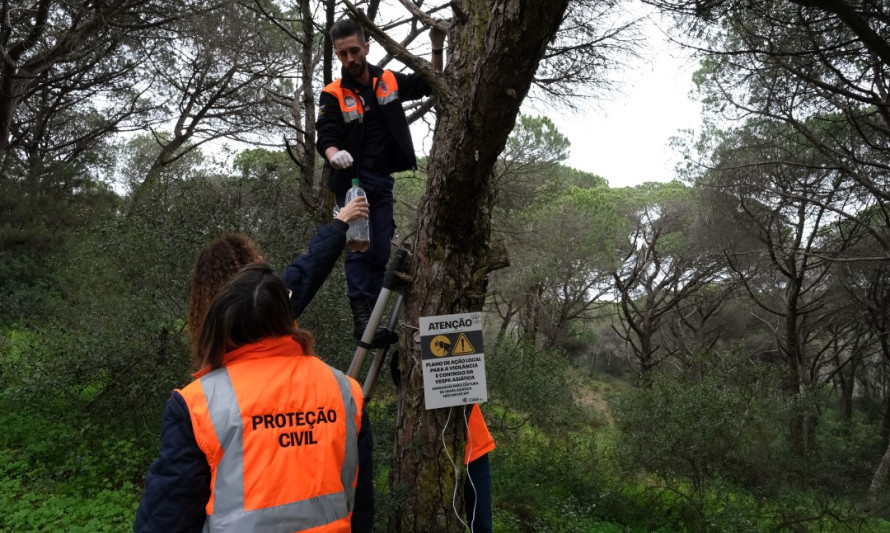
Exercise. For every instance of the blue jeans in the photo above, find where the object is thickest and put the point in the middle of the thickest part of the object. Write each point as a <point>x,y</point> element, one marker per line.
<point>364,271</point>
<point>477,496</point>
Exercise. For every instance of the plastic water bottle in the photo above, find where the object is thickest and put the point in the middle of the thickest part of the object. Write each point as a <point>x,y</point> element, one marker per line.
<point>358,236</point>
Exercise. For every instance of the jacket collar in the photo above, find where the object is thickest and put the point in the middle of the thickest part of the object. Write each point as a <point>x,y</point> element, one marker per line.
<point>268,347</point>
<point>346,79</point>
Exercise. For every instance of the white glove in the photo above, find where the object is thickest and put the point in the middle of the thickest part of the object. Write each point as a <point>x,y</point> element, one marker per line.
<point>341,159</point>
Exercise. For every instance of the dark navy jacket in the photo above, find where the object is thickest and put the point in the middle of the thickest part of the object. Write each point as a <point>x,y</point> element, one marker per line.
<point>332,130</point>
<point>306,274</point>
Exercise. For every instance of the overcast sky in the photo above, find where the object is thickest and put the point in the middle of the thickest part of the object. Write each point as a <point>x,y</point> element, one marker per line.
<point>626,139</point>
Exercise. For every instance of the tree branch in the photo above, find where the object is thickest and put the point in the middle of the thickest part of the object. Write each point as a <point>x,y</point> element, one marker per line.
<point>422,67</point>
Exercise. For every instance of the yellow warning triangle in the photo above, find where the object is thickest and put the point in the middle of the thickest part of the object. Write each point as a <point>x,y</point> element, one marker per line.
<point>462,346</point>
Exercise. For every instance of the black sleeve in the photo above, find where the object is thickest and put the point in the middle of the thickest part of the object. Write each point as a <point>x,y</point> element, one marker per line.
<point>306,274</point>
<point>329,126</point>
<point>412,86</point>
<point>363,512</point>
<point>177,487</point>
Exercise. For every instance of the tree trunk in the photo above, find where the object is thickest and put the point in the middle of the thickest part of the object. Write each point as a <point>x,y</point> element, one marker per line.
<point>12,89</point>
<point>798,376</point>
<point>505,322</point>
<point>647,359</point>
<point>879,480</point>
<point>494,50</point>
<point>531,321</point>
<point>847,380</point>
<point>327,51</point>
<point>885,426</point>
<point>885,421</point>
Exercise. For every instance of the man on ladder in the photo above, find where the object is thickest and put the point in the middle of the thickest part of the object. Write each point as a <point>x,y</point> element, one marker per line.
<point>363,133</point>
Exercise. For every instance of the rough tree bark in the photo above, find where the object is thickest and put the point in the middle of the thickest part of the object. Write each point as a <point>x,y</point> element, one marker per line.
<point>494,48</point>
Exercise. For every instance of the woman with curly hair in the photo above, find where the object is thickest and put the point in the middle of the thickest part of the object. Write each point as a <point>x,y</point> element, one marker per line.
<point>268,437</point>
<point>217,263</point>
<point>224,257</point>
<point>167,503</point>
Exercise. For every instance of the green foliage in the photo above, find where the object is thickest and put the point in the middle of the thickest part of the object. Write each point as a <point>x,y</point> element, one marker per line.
<point>102,511</point>
<point>27,288</point>
<point>44,204</point>
<point>686,429</point>
<point>652,193</point>
<point>537,426</point>
<point>553,283</point>
<point>532,385</point>
<point>536,139</point>
<point>711,447</point>
<point>101,351</point>
<point>45,207</point>
<point>62,471</point>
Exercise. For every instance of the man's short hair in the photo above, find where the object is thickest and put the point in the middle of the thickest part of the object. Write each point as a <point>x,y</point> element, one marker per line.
<point>344,28</point>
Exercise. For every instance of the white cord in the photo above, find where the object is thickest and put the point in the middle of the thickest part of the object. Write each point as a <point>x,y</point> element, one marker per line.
<point>456,471</point>
<point>467,467</point>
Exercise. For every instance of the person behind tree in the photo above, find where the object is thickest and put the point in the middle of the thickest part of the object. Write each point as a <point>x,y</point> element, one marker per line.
<point>477,484</point>
<point>363,133</point>
<point>269,437</point>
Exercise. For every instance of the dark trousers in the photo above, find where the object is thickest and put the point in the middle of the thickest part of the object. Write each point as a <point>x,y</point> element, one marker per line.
<point>364,271</point>
<point>477,496</point>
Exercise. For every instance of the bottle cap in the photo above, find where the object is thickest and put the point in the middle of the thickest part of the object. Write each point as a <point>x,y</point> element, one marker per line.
<point>355,182</point>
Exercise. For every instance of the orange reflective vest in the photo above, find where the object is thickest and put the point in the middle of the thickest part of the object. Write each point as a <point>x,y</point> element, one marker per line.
<point>280,433</point>
<point>341,122</point>
<point>386,88</point>
<point>479,439</point>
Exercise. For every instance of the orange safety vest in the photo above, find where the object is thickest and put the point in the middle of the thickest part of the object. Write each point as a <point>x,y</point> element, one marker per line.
<point>280,432</point>
<point>479,439</point>
<point>386,87</point>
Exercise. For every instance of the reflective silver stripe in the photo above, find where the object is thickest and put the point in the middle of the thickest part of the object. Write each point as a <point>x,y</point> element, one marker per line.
<point>297,516</point>
<point>349,116</point>
<point>350,459</point>
<point>228,507</point>
<point>393,95</point>
<point>225,415</point>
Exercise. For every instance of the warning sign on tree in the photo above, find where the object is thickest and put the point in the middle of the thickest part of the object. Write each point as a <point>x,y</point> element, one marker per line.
<point>453,361</point>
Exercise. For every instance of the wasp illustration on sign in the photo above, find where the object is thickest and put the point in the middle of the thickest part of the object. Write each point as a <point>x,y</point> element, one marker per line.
<point>440,346</point>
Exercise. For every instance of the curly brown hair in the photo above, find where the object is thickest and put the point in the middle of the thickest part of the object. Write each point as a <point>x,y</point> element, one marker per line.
<point>218,262</point>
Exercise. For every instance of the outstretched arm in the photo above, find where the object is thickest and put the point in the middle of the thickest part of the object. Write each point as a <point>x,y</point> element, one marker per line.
<point>307,273</point>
